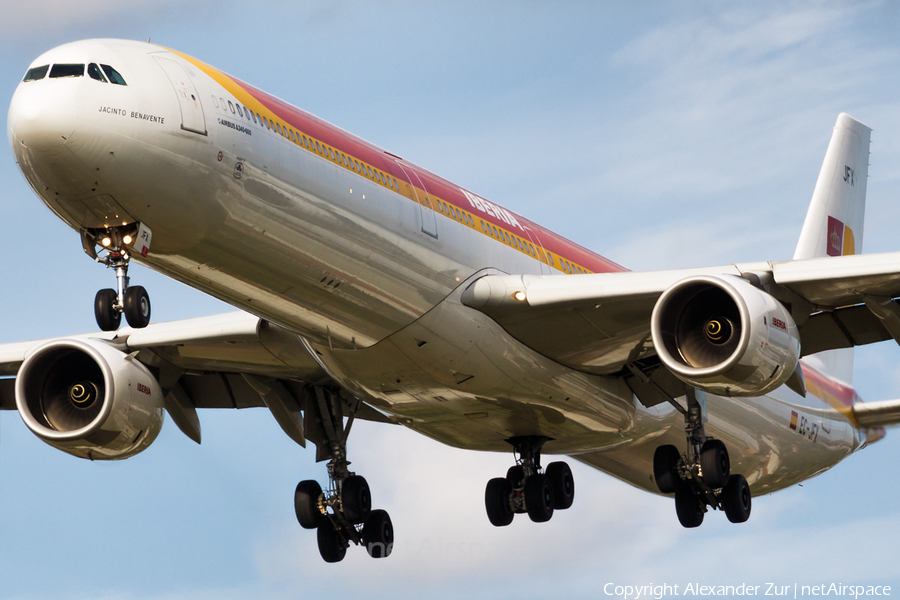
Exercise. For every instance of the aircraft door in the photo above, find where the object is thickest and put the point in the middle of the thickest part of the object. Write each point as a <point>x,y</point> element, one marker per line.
<point>192,118</point>
<point>423,198</point>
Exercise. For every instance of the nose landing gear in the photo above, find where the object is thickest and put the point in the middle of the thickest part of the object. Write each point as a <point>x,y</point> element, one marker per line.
<point>132,301</point>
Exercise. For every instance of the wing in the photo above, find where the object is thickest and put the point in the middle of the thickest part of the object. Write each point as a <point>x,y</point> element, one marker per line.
<point>601,322</point>
<point>233,360</point>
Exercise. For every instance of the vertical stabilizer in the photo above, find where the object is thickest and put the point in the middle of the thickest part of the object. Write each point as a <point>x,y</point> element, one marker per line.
<point>834,223</point>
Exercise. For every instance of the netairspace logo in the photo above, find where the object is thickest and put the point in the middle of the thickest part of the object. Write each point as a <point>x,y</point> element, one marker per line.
<point>694,590</point>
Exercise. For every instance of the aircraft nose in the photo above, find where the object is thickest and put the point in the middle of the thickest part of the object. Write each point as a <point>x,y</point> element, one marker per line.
<point>42,115</point>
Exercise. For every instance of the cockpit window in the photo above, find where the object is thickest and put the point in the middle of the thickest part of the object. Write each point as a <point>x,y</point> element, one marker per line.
<point>36,73</point>
<point>113,75</point>
<point>95,73</point>
<point>66,70</point>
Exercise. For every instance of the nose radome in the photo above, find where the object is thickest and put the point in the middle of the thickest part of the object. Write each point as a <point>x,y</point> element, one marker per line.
<point>42,115</point>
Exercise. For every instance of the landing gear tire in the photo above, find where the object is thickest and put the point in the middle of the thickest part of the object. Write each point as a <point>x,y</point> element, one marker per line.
<point>306,504</point>
<point>665,468</point>
<point>714,464</point>
<point>378,534</point>
<point>331,544</point>
<point>539,498</point>
<point>496,502</point>
<point>516,476</point>
<point>563,484</point>
<point>736,499</point>
<point>137,307</point>
<point>688,507</point>
<point>108,318</point>
<point>356,499</point>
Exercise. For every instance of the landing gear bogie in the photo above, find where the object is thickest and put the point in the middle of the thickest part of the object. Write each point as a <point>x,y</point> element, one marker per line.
<point>341,514</point>
<point>701,478</point>
<point>527,488</point>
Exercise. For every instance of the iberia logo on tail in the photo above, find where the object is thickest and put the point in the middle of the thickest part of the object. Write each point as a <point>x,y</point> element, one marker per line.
<point>839,240</point>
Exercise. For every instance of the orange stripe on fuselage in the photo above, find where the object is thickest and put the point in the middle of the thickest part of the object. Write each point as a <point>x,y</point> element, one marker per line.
<point>530,238</point>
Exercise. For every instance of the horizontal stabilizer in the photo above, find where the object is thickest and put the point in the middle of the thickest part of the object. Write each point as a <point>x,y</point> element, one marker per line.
<point>877,414</point>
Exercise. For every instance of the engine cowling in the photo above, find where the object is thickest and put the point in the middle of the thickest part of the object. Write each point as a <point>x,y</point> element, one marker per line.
<point>86,398</point>
<point>722,335</point>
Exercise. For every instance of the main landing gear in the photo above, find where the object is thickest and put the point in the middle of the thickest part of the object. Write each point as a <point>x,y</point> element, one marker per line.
<point>702,477</point>
<point>132,301</point>
<point>526,489</point>
<point>342,513</point>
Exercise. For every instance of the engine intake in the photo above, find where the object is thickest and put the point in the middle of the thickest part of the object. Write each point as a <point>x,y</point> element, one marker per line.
<point>88,399</point>
<point>725,336</point>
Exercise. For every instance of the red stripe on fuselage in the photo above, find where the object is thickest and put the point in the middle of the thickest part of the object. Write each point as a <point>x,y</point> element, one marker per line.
<point>437,186</point>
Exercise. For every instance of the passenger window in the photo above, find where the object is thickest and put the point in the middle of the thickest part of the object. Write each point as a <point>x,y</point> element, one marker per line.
<point>95,73</point>
<point>356,166</point>
<point>253,114</point>
<point>264,121</point>
<point>550,256</point>
<point>240,110</point>
<point>36,73</point>
<point>112,75</point>
<point>396,187</point>
<point>231,107</point>
<point>483,228</point>
<point>368,171</point>
<point>59,71</point>
<point>318,148</point>
<point>215,101</point>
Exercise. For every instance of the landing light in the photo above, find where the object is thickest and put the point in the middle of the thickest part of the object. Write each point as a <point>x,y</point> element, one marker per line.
<point>127,239</point>
<point>520,296</point>
<point>106,242</point>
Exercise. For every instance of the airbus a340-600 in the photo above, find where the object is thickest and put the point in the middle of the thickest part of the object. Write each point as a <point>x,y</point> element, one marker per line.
<point>369,288</point>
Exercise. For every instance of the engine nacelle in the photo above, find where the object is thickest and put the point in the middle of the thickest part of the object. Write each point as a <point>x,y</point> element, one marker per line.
<point>722,335</point>
<point>86,398</point>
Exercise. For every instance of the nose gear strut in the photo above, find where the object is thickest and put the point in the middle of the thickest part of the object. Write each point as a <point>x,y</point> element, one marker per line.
<point>109,304</point>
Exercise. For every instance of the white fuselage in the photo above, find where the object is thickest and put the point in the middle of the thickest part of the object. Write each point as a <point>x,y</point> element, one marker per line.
<point>368,272</point>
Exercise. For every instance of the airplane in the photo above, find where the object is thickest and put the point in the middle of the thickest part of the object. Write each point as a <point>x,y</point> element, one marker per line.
<point>367,287</point>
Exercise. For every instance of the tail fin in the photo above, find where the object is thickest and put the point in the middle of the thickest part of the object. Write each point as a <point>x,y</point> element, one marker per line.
<point>834,222</point>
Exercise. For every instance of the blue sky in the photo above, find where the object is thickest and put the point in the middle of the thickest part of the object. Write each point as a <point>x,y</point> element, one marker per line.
<point>658,134</point>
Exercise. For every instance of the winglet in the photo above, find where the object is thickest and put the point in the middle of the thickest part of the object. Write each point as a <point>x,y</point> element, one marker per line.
<point>834,222</point>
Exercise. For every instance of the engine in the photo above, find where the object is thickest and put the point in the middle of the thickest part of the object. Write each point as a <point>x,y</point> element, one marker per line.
<point>722,335</point>
<point>86,398</point>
